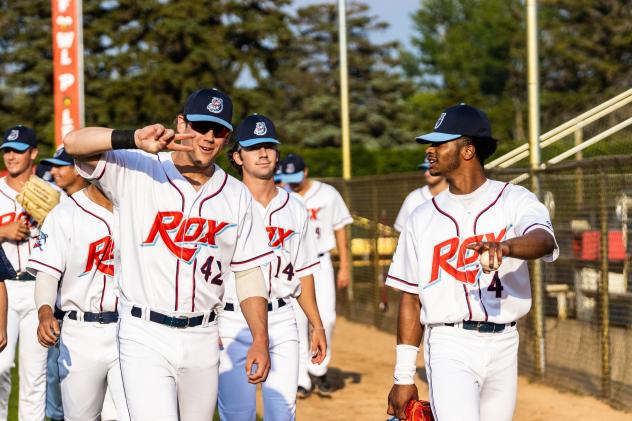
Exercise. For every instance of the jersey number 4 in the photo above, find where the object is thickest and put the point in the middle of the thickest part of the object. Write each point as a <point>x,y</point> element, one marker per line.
<point>207,271</point>
<point>496,285</point>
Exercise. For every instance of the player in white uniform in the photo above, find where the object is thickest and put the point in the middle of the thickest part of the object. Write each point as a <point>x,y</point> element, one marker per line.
<point>469,315</point>
<point>73,256</point>
<point>435,184</point>
<point>20,149</point>
<point>182,225</point>
<point>328,216</point>
<point>289,275</point>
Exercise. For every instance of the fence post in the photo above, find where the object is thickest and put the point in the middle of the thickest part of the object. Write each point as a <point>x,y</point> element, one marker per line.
<point>350,288</point>
<point>579,173</point>
<point>537,292</point>
<point>604,310</point>
<point>375,255</point>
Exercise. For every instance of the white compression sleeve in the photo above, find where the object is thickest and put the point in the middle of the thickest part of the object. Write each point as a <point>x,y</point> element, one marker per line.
<point>250,283</point>
<point>45,290</point>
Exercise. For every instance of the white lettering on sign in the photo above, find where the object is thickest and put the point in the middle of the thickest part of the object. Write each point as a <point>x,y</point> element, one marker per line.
<point>66,80</point>
<point>65,39</point>
<point>62,5</point>
<point>67,123</point>
<point>64,58</point>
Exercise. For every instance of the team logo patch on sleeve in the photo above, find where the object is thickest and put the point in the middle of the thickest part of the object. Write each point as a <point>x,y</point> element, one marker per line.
<point>260,128</point>
<point>13,135</point>
<point>40,241</point>
<point>216,105</point>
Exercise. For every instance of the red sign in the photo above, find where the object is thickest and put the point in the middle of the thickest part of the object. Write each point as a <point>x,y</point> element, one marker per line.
<point>67,67</point>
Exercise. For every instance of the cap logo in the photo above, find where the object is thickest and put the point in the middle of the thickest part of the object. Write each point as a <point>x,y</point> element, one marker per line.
<point>13,135</point>
<point>439,120</point>
<point>290,168</point>
<point>216,105</point>
<point>260,128</point>
<point>58,152</point>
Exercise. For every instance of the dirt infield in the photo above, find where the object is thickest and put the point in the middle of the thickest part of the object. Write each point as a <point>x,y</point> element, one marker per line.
<point>362,367</point>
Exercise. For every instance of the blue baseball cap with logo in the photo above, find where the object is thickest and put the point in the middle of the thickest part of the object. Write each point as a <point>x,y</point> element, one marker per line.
<point>19,138</point>
<point>210,105</point>
<point>457,121</point>
<point>254,130</point>
<point>60,159</point>
<point>292,169</point>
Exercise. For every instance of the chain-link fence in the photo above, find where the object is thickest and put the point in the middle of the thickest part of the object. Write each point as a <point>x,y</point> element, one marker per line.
<point>588,333</point>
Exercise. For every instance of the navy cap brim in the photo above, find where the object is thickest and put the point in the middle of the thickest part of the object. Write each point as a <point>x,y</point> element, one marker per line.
<point>295,178</point>
<point>18,146</point>
<point>203,117</point>
<point>58,162</point>
<point>251,142</point>
<point>436,137</point>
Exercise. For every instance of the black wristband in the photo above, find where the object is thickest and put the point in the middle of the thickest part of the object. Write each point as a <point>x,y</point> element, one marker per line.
<point>123,139</point>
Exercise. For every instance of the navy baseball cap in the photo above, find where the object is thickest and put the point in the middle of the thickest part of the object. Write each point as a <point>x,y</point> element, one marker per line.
<point>19,138</point>
<point>454,122</point>
<point>292,168</point>
<point>255,129</point>
<point>278,175</point>
<point>210,105</point>
<point>60,159</point>
<point>424,165</point>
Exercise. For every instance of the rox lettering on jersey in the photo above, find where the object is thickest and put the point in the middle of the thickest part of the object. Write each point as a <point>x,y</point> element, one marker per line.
<point>101,255</point>
<point>453,250</point>
<point>177,231</point>
<point>278,235</point>
<point>313,213</point>
<point>14,216</point>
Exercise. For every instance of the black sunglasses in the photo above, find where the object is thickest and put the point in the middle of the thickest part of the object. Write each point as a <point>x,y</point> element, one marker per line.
<point>204,127</point>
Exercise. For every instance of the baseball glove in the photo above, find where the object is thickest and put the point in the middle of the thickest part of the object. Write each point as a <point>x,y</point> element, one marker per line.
<point>419,411</point>
<point>38,198</point>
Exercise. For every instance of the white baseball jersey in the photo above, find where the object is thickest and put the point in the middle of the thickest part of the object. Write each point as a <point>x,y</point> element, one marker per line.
<point>327,213</point>
<point>414,199</point>
<point>432,259</point>
<point>10,210</point>
<point>291,237</point>
<point>75,246</point>
<point>176,245</point>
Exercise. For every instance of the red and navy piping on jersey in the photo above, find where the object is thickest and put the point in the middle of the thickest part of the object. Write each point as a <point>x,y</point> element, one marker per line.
<point>285,202</point>
<point>458,234</point>
<point>480,295</point>
<point>396,279</point>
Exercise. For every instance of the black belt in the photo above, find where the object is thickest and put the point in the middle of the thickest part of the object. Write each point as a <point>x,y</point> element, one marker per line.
<point>104,318</point>
<point>172,321</point>
<point>280,301</point>
<point>485,327</point>
<point>321,254</point>
<point>59,313</point>
<point>23,276</point>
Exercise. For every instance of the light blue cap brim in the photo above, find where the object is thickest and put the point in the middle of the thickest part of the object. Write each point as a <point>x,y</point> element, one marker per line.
<point>436,137</point>
<point>18,146</point>
<point>297,177</point>
<point>58,162</point>
<point>278,177</point>
<point>424,167</point>
<point>251,142</point>
<point>204,117</point>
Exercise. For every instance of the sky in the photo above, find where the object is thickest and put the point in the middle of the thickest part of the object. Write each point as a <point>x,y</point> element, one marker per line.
<point>395,12</point>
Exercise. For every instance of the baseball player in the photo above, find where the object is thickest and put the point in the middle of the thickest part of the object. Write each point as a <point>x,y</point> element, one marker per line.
<point>70,240</point>
<point>182,225</point>
<point>255,156</point>
<point>328,216</point>
<point>19,149</point>
<point>461,266</point>
<point>435,184</point>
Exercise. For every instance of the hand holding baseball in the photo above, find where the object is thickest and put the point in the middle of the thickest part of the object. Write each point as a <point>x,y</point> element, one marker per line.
<point>156,138</point>
<point>490,254</point>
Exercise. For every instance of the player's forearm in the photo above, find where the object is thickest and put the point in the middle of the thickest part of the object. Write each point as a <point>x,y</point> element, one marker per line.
<point>307,301</point>
<point>88,142</point>
<point>343,249</point>
<point>532,245</point>
<point>255,311</point>
<point>409,329</point>
<point>4,304</point>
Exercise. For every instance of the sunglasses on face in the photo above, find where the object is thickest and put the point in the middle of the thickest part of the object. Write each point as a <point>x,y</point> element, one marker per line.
<point>203,127</point>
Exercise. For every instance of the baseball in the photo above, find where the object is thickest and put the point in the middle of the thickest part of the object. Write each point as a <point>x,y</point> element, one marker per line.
<point>487,265</point>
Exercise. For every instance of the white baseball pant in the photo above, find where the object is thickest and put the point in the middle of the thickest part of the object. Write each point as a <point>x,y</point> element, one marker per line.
<point>169,374</point>
<point>237,397</point>
<point>108,413</point>
<point>471,375</point>
<point>324,283</point>
<point>88,366</point>
<point>22,322</point>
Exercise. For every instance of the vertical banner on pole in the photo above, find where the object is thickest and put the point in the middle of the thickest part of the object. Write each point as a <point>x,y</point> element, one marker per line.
<point>67,66</point>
